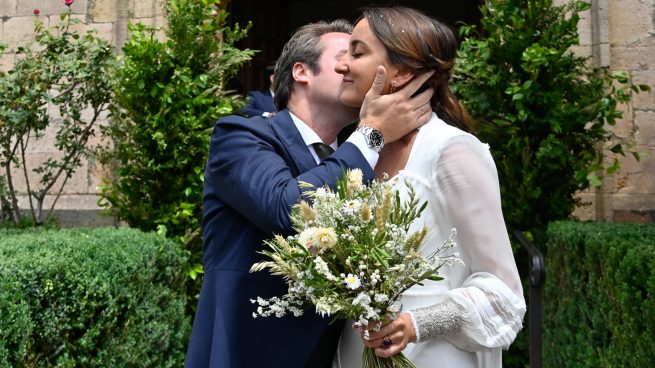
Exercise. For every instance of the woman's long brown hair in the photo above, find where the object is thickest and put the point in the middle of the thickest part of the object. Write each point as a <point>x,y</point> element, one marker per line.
<point>419,44</point>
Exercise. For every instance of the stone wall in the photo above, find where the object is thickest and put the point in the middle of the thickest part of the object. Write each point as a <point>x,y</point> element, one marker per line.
<point>78,202</point>
<point>621,35</point>
<point>618,34</point>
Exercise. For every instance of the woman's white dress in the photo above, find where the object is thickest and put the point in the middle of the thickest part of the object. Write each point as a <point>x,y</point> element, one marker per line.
<point>456,174</point>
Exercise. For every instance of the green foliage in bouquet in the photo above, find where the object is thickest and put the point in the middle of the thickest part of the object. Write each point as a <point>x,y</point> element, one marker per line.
<point>100,297</point>
<point>354,253</point>
<point>63,72</point>
<point>542,109</point>
<point>169,94</point>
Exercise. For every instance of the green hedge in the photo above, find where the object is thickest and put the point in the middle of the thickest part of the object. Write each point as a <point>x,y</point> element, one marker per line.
<point>91,298</point>
<point>599,300</point>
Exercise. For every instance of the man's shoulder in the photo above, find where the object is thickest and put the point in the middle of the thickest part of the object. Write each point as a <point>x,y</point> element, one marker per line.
<point>257,93</point>
<point>255,124</point>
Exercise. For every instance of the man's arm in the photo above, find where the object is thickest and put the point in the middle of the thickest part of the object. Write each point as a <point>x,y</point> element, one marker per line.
<point>249,170</point>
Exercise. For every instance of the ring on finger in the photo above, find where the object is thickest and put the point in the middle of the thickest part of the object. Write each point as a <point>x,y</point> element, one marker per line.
<point>386,342</point>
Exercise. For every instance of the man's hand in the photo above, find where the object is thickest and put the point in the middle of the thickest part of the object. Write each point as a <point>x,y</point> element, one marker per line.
<point>398,113</point>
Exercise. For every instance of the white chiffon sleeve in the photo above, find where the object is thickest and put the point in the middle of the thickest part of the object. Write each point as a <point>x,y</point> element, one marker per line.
<point>491,299</point>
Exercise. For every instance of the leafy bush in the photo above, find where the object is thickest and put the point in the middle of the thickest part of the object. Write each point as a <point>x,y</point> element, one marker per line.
<point>600,295</point>
<point>169,95</point>
<point>70,72</point>
<point>542,109</point>
<point>91,298</point>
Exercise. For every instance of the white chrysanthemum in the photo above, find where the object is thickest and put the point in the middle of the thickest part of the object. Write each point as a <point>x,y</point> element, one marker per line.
<point>352,281</point>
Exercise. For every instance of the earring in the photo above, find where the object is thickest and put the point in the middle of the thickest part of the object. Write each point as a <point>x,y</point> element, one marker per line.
<point>393,86</point>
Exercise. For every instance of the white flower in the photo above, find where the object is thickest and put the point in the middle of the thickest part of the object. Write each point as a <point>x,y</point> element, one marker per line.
<point>352,281</point>
<point>325,237</point>
<point>380,298</point>
<point>362,299</point>
<point>320,193</point>
<point>352,206</point>
<point>306,237</point>
<point>323,269</point>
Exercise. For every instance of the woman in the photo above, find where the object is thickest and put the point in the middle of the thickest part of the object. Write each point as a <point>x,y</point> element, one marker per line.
<point>465,319</point>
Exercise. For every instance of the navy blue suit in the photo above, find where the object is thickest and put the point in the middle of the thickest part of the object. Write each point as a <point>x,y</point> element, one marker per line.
<point>259,102</point>
<point>251,183</point>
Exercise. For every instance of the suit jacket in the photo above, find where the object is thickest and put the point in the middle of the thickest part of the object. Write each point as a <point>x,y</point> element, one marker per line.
<point>259,102</point>
<point>251,183</point>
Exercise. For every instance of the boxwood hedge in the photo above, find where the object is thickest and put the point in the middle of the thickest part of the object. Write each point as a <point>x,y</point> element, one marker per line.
<point>91,298</point>
<point>599,297</point>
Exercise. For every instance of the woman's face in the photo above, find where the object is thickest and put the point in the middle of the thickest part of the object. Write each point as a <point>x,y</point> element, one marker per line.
<point>359,65</point>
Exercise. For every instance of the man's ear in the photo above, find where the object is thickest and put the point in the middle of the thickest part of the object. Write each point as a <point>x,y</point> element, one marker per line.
<point>402,77</point>
<point>300,72</point>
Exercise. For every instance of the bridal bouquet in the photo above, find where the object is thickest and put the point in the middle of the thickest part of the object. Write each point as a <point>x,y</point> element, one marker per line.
<point>352,257</point>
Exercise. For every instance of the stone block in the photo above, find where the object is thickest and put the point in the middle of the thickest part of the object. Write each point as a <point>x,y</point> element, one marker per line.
<point>8,8</point>
<point>582,51</point>
<point>50,7</point>
<point>640,217</point>
<point>144,8</point>
<point>636,176</point>
<point>630,21</point>
<point>634,202</point>
<point>18,31</point>
<point>104,11</point>
<point>74,211</point>
<point>624,127</point>
<point>585,31</point>
<point>76,184</point>
<point>644,100</point>
<point>633,58</point>
<point>645,124</point>
<point>586,211</point>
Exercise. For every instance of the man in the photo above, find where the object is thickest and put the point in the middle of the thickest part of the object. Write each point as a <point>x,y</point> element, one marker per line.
<point>251,183</point>
<point>260,103</point>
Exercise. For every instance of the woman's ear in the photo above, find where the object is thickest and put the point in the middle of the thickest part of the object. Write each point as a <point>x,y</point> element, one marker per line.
<point>300,72</point>
<point>402,77</point>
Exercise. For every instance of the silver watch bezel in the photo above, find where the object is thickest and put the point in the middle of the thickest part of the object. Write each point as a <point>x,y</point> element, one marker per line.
<point>374,138</point>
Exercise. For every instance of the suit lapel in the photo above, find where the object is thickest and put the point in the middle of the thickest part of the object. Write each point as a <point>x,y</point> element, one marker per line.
<point>292,140</point>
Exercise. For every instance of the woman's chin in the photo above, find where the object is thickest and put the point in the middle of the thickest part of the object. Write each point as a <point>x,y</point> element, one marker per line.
<point>352,101</point>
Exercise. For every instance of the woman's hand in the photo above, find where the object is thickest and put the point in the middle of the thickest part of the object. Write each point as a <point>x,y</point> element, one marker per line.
<point>398,113</point>
<point>392,338</point>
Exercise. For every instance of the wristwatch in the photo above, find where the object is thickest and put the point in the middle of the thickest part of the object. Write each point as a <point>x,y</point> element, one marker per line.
<point>374,138</point>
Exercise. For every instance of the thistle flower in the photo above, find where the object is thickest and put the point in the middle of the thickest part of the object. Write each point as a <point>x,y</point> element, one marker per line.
<point>325,237</point>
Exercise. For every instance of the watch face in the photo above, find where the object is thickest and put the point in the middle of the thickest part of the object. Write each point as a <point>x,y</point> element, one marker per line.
<point>376,138</point>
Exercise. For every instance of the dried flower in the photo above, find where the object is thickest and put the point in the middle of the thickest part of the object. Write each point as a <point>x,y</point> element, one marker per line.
<point>353,255</point>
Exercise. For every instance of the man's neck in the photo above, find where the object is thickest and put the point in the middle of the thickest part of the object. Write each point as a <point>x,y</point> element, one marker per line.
<point>326,120</point>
